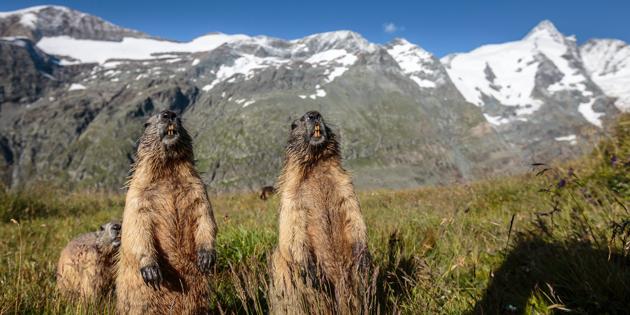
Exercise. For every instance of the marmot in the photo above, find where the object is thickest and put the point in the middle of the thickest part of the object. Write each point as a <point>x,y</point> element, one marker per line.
<point>86,266</point>
<point>267,192</point>
<point>322,240</point>
<point>168,227</point>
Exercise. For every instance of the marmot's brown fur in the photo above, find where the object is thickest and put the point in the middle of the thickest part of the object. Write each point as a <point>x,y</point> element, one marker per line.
<point>168,229</point>
<point>86,266</point>
<point>267,192</point>
<point>322,239</point>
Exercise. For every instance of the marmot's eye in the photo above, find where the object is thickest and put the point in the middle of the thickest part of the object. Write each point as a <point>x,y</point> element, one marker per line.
<point>146,125</point>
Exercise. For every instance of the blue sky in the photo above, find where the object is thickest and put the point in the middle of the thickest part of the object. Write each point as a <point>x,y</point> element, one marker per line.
<point>441,27</point>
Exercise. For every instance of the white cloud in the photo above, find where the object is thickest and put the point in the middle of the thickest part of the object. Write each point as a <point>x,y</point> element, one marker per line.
<point>391,28</point>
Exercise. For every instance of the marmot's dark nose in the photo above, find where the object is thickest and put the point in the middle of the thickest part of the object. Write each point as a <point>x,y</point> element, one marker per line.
<point>313,115</point>
<point>116,227</point>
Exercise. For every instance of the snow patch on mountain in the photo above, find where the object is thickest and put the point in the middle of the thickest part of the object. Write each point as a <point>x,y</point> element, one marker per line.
<point>332,74</point>
<point>335,55</point>
<point>249,102</point>
<point>593,117</point>
<point>112,64</point>
<point>496,120</point>
<point>507,72</point>
<point>319,92</point>
<point>608,63</point>
<point>245,65</point>
<point>422,82</point>
<point>76,87</point>
<point>572,139</point>
<point>339,58</point>
<point>244,102</point>
<point>95,51</point>
<point>410,57</point>
<point>414,61</point>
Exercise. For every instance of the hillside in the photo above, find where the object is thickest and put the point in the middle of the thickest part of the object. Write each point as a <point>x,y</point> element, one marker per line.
<point>553,240</point>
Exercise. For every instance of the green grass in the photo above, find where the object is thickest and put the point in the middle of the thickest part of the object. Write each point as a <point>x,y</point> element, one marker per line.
<point>552,241</point>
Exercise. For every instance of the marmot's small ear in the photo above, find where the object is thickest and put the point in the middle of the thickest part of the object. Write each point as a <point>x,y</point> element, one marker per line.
<point>293,125</point>
<point>146,125</point>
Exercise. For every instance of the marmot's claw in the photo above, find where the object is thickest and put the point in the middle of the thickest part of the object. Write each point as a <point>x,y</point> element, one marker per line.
<point>152,276</point>
<point>206,259</point>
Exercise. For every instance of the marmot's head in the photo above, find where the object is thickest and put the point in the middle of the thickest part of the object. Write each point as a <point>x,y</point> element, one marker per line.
<point>109,235</point>
<point>164,136</point>
<point>311,139</point>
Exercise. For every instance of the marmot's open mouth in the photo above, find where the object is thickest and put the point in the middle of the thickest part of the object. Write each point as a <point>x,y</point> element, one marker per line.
<point>317,131</point>
<point>116,242</point>
<point>170,130</point>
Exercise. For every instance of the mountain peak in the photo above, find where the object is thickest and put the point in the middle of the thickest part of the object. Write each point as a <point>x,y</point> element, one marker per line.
<point>35,9</point>
<point>335,36</point>
<point>400,45</point>
<point>545,29</point>
<point>28,17</point>
<point>52,21</point>
<point>399,41</point>
<point>343,39</point>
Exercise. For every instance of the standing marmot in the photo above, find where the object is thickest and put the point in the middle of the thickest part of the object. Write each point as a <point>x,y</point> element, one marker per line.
<point>266,192</point>
<point>168,230</point>
<point>86,265</point>
<point>322,236</point>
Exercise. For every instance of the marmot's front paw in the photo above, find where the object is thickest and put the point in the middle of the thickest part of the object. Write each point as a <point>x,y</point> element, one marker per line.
<point>309,273</point>
<point>206,259</point>
<point>152,276</point>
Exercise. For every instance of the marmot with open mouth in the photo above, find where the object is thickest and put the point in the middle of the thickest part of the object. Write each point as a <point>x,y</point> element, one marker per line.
<point>168,229</point>
<point>322,241</point>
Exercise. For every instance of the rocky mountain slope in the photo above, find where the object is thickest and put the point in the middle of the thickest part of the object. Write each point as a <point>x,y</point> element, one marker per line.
<point>608,63</point>
<point>404,117</point>
<point>535,91</point>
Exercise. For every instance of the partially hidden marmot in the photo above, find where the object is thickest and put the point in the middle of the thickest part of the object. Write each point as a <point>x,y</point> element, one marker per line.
<point>322,242</point>
<point>86,266</point>
<point>266,192</point>
<point>168,229</point>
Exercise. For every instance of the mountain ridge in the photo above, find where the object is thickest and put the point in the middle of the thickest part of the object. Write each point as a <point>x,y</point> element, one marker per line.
<point>52,20</point>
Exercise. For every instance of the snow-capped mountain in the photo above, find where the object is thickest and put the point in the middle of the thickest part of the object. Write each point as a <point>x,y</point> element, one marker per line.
<point>507,74</point>
<point>608,63</point>
<point>420,65</point>
<point>535,91</point>
<point>45,21</point>
<point>72,103</point>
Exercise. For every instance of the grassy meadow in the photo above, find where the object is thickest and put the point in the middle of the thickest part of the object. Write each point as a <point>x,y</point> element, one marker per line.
<point>554,240</point>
